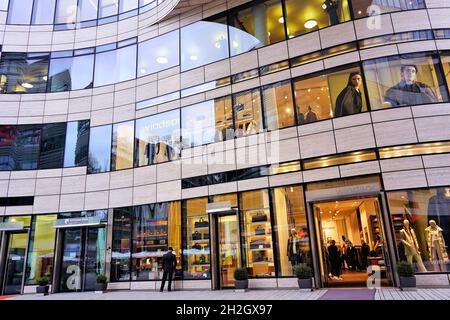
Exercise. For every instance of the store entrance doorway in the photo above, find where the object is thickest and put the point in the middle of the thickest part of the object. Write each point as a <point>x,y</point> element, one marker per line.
<point>351,242</point>
<point>227,249</point>
<point>81,259</point>
<point>13,258</point>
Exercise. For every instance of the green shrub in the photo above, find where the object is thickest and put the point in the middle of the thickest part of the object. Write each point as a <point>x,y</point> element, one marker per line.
<point>240,274</point>
<point>101,278</point>
<point>43,281</point>
<point>303,271</point>
<point>405,269</point>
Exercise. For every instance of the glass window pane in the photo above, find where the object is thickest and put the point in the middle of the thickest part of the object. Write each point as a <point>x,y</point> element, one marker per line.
<point>363,8</point>
<point>24,74</point>
<point>158,138</point>
<point>306,16</point>
<point>257,233</point>
<point>19,11</point>
<point>76,145</point>
<point>404,80</point>
<point>445,58</point>
<point>210,47</point>
<point>115,66</point>
<point>8,136</point>
<point>155,228</point>
<point>329,95</point>
<point>247,113</point>
<point>121,245</point>
<point>108,8</point>
<point>41,249</point>
<point>122,145</point>
<point>127,5</point>
<point>196,235</point>
<point>291,229</point>
<point>66,11</point>
<point>26,148</point>
<point>257,26</point>
<point>159,53</point>
<point>4,5</point>
<point>72,73</point>
<point>52,146</point>
<point>43,11</point>
<point>87,10</point>
<point>99,149</point>
<point>421,223</point>
<point>207,122</point>
<point>278,105</point>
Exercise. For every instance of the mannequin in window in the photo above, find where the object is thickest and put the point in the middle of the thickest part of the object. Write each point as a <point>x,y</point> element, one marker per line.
<point>161,153</point>
<point>439,211</point>
<point>349,101</point>
<point>344,257</point>
<point>311,116</point>
<point>409,240</point>
<point>409,91</point>
<point>331,8</point>
<point>293,247</point>
<point>252,128</point>
<point>436,246</point>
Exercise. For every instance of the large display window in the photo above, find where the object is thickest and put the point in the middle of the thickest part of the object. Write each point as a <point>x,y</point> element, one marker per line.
<point>247,113</point>
<point>291,229</point>
<point>41,249</point>
<point>421,223</point>
<point>71,73</point>
<point>115,66</point>
<point>404,80</point>
<point>76,145</point>
<point>121,245</point>
<point>445,58</point>
<point>99,159</point>
<point>156,227</point>
<point>158,138</point>
<point>122,145</point>
<point>257,234</point>
<point>207,122</point>
<point>196,251</point>
<point>51,153</point>
<point>278,105</point>
<point>363,8</point>
<point>327,95</point>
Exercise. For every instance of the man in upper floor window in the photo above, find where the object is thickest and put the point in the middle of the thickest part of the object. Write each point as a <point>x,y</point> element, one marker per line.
<point>409,91</point>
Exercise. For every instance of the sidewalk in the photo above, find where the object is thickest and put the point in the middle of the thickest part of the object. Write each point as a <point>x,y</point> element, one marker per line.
<point>288,294</point>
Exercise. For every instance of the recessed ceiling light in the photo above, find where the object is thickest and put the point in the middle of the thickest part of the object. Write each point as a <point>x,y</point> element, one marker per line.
<point>235,44</point>
<point>27,85</point>
<point>291,36</point>
<point>193,58</point>
<point>143,70</point>
<point>310,24</point>
<point>217,45</point>
<point>281,19</point>
<point>44,78</point>
<point>162,60</point>
<point>359,12</point>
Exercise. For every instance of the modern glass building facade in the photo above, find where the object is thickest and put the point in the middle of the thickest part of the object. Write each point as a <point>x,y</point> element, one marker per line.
<point>253,135</point>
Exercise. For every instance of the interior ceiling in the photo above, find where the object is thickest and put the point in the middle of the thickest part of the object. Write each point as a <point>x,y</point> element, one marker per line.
<point>341,208</point>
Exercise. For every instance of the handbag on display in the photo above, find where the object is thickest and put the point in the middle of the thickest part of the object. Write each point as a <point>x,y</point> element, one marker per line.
<point>202,259</point>
<point>201,223</point>
<point>260,231</point>
<point>206,236</point>
<point>258,256</point>
<point>259,217</point>
<point>196,236</point>
<point>257,244</point>
<point>197,246</point>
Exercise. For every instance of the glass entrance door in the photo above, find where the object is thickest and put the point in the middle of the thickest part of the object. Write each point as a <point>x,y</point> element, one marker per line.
<point>83,255</point>
<point>15,263</point>
<point>228,249</point>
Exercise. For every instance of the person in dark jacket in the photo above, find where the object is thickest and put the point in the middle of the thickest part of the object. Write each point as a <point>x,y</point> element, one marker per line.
<point>365,251</point>
<point>349,101</point>
<point>335,260</point>
<point>409,91</point>
<point>168,264</point>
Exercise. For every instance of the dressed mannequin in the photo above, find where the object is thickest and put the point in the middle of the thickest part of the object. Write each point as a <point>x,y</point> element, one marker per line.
<point>252,128</point>
<point>436,246</point>
<point>293,248</point>
<point>439,210</point>
<point>409,240</point>
<point>161,153</point>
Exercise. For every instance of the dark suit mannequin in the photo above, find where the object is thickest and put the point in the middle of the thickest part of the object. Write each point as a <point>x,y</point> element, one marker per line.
<point>169,263</point>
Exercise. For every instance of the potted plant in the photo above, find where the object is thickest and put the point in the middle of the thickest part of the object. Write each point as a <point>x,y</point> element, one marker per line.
<point>43,286</point>
<point>303,272</point>
<point>101,283</point>
<point>407,276</point>
<point>240,279</point>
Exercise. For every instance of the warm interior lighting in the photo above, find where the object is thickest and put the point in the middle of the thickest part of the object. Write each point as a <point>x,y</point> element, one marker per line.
<point>162,60</point>
<point>27,85</point>
<point>281,20</point>
<point>310,24</point>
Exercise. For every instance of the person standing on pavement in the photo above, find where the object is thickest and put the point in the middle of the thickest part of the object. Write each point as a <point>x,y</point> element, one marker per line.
<point>168,264</point>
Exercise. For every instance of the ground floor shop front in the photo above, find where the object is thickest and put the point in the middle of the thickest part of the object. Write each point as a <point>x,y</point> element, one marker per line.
<point>350,231</point>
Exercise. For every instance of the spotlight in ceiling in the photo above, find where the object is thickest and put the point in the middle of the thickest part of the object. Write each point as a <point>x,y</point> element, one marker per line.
<point>281,19</point>
<point>310,24</point>
<point>27,85</point>
<point>162,60</point>
<point>193,58</point>
<point>44,78</point>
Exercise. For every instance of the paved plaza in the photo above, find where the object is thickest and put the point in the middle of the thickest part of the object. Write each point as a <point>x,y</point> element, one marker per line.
<point>288,294</point>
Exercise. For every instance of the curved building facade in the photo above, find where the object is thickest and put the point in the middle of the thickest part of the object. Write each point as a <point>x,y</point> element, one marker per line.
<point>243,134</point>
